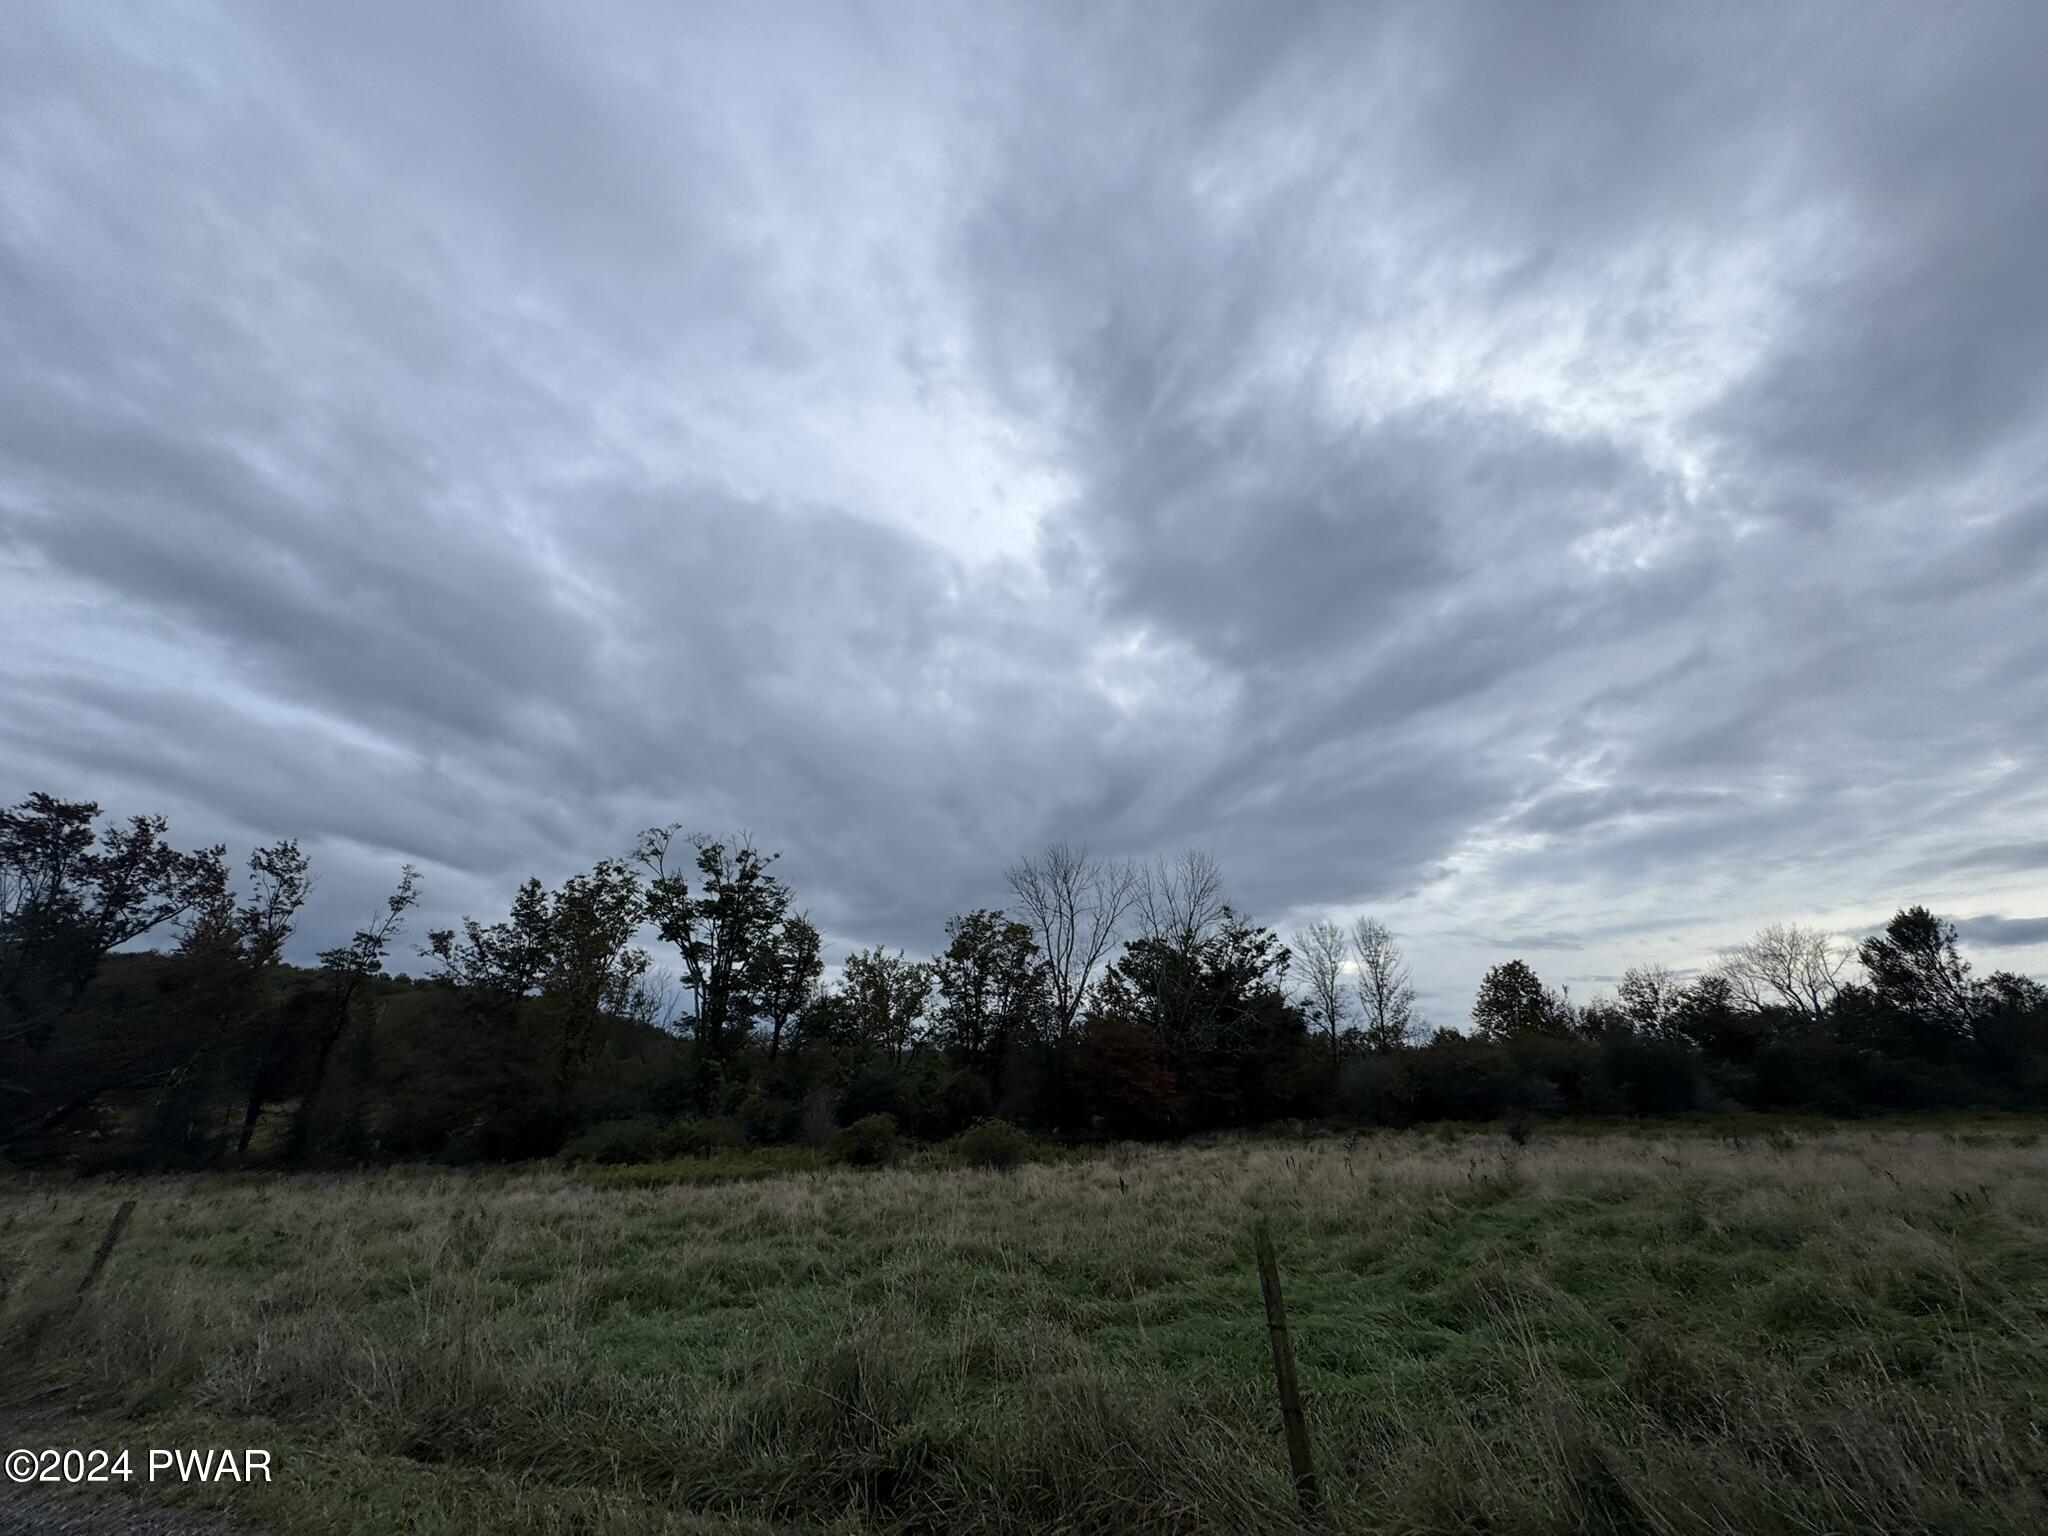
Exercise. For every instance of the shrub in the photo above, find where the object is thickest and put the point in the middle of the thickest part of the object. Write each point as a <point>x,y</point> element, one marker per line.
<point>643,1139</point>
<point>816,1125</point>
<point>993,1144</point>
<point>689,1136</point>
<point>868,1143</point>
<point>935,1104</point>
<point>767,1117</point>
<point>638,1140</point>
<point>732,1167</point>
<point>1377,1089</point>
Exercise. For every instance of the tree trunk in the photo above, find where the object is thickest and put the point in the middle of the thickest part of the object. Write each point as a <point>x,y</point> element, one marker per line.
<point>251,1113</point>
<point>301,1137</point>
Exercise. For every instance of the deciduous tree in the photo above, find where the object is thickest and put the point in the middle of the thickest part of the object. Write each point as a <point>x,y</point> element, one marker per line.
<point>783,976</point>
<point>1513,1001</point>
<point>1323,951</point>
<point>886,996</point>
<point>1075,904</point>
<point>719,930</point>
<point>1788,966</point>
<point>1915,969</point>
<point>346,968</point>
<point>1386,995</point>
<point>992,992</point>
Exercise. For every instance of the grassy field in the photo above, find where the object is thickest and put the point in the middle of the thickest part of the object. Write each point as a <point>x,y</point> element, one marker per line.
<point>1831,1331</point>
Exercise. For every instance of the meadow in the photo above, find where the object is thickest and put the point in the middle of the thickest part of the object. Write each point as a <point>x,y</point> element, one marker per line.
<point>1825,1330</point>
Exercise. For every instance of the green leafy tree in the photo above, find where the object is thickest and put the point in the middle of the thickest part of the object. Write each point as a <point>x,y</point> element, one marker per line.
<point>992,989</point>
<point>594,967</point>
<point>2011,1028</point>
<point>220,1035</point>
<point>70,894</point>
<point>1648,997</point>
<point>829,1025</point>
<point>347,970</point>
<point>1512,1001</point>
<point>1220,1014</point>
<point>280,881</point>
<point>783,976</point>
<point>1708,1014</point>
<point>885,996</point>
<point>506,960</point>
<point>572,950</point>
<point>719,930</point>
<point>1916,971</point>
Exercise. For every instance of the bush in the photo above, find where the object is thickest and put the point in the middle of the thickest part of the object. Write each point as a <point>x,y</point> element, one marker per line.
<point>1377,1089</point>
<point>767,1117</point>
<point>815,1126</point>
<point>693,1137</point>
<point>867,1143</point>
<point>933,1103</point>
<point>710,1168</point>
<point>638,1140</point>
<point>993,1144</point>
<point>1648,1077</point>
<point>1459,1079</point>
<point>644,1139</point>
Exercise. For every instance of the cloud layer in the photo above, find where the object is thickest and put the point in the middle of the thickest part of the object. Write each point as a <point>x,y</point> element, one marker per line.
<point>1570,482</point>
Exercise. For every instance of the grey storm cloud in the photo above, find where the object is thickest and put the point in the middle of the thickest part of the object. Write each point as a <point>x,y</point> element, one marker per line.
<point>2003,932</point>
<point>1561,477</point>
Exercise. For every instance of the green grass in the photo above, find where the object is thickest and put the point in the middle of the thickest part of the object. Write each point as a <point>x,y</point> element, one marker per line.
<point>1824,1330</point>
<point>725,1167</point>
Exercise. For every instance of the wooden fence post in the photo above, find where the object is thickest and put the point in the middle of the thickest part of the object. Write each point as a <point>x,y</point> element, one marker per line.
<point>114,1231</point>
<point>1283,1372</point>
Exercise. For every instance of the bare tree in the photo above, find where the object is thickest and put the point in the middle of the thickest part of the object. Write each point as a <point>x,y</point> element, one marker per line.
<point>1180,902</point>
<point>1788,966</point>
<point>1386,995</point>
<point>1323,950</point>
<point>1074,904</point>
<point>661,1002</point>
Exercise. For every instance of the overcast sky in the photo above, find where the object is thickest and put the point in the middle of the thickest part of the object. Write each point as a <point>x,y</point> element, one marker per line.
<point>1570,480</point>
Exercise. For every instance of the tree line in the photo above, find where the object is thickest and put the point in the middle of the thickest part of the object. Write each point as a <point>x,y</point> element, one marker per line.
<point>1104,999</point>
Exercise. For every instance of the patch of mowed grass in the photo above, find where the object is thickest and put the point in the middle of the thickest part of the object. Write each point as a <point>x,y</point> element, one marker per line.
<point>1625,1333</point>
